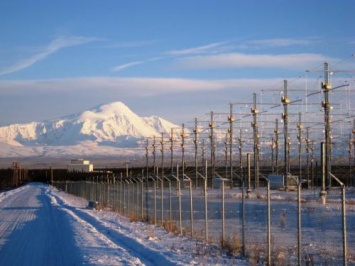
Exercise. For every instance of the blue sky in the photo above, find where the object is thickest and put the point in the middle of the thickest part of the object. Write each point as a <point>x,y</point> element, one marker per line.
<point>175,59</point>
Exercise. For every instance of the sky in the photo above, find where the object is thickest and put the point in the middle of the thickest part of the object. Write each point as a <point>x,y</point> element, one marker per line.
<point>174,59</point>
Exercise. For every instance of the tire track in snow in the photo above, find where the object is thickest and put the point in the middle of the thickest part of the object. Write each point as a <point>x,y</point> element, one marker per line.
<point>35,232</point>
<point>144,255</point>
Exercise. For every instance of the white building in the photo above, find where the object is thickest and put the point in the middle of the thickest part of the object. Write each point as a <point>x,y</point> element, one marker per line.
<point>80,165</point>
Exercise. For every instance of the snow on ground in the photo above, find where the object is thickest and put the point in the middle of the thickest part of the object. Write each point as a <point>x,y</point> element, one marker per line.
<point>40,225</point>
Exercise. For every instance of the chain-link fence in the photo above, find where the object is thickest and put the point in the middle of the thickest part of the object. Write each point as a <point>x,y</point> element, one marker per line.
<point>266,226</point>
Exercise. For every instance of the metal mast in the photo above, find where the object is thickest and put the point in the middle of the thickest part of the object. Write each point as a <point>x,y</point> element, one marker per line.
<point>162,154</point>
<point>276,131</point>
<point>240,140</point>
<point>183,150</point>
<point>212,126</point>
<point>285,101</point>
<point>254,124</point>
<point>326,86</point>
<point>299,137</point>
<point>308,149</point>
<point>196,146</point>
<point>172,151</point>
<point>147,156</point>
<point>154,154</point>
<point>230,131</point>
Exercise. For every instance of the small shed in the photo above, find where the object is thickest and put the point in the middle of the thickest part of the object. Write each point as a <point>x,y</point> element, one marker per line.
<point>80,165</point>
<point>218,182</point>
<point>277,181</point>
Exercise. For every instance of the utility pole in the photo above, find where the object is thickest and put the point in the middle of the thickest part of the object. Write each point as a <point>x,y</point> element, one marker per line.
<point>183,150</point>
<point>240,147</point>
<point>203,154</point>
<point>212,140</point>
<point>230,131</point>
<point>226,156</point>
<point>196,155</point>
<point>299,137</point>
<point>172,150</point>
<point>162,155</point>
<point>326,86</point>
<point>285,101</point>
<point>254,124</point>
<point>147,157</point>
<point>276,131</point>
<point>350,161</point>
<point>272,154</point>
<point>154,154</point>
<point>308,148</point>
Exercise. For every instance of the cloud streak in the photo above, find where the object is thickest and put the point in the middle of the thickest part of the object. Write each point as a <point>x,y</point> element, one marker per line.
<point>131,86</point>
<point>279,42</point>
<point>124,66</point>
<point>205,49</point>
<point>239,60</point>
<point>54,46</point>
<point>134,63</point>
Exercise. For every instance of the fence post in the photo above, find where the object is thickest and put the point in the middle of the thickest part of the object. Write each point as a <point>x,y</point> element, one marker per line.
<point>222,210</point>
<point>141,193</point>
<point>178,187</point>
<point>137,197</point>
<point>191,204</point>
<point>162,198</point>
<point>299,222</point>
<point>170,203</point>
<point>344,226</point>
<point>343,209</point>
<point>243,213</point>
<point>223,222</point>
<point>179,191</point>
<point>206,200</point>
<point>155,201</point>
<point>268,222</point>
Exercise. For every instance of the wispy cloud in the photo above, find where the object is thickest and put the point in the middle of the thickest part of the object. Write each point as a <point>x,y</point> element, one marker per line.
<point>129,86</point>
<point>225,46</point>
<point>205,49</point>
<point>280,42</point>
<point>238,60</point>
<point>134,63</point>
<point>124,66</point>
<point>54,46</point>
<point>130,44</point>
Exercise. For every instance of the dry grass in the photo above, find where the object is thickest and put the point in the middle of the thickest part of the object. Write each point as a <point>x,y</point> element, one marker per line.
<point>232,245</point>
<point>170,226</point>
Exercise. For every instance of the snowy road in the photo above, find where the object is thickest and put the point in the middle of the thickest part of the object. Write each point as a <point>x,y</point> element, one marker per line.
<point>33,232</point>
<point>41,226</point>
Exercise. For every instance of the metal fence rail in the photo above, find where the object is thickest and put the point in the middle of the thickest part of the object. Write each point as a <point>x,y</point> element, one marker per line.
<point>267,227</point>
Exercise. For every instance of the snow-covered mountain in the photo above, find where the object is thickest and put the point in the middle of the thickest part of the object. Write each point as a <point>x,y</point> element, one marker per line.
<point>113,125</point>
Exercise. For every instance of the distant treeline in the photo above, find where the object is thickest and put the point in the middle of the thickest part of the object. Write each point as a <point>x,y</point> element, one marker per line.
<point>10,178</point>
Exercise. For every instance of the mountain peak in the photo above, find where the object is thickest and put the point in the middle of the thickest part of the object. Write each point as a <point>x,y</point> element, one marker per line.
<point>112,124</point>
<point>118,107</point>
<point>107,111</point>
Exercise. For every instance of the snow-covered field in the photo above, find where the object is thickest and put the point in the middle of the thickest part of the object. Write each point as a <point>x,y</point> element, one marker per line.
<point>40,225</point>
<point>321,224</point>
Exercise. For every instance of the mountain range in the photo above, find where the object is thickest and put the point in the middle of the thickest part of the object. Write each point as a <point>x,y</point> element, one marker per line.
<point>104,130</point>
